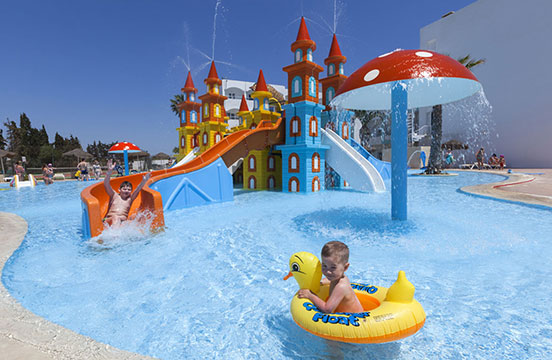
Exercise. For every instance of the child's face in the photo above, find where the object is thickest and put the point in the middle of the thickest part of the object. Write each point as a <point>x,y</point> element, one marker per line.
<point>333,268</point>
<point>125,191</point>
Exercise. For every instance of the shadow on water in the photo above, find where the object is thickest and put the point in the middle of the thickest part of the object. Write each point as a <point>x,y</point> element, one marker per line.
<point>298,343</point>
<point>333,224</point>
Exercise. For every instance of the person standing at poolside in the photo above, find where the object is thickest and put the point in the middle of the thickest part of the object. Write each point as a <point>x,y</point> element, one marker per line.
<point>83,168</point>
<point>480,156</point>
<point>97,170</point>
<point>19,170</point>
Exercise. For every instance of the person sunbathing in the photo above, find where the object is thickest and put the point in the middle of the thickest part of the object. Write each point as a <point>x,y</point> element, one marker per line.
<point>120,203</point>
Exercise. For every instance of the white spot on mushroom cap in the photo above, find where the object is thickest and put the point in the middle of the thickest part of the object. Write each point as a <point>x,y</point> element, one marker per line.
<point>371,75</point>
<point>423,54</point>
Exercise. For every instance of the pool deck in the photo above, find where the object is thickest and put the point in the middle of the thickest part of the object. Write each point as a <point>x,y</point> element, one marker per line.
<point>24,335</point>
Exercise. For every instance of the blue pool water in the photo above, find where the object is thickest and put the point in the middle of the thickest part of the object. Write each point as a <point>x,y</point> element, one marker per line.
<point>211,284</point>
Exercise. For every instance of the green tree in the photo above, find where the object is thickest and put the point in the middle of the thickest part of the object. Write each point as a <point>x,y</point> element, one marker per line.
<point>434,163</point>
<point>3,141</point>
<point>175,102</point>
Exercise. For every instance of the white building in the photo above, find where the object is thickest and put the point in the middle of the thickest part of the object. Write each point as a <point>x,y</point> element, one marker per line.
<point>234,89</point>
<point>515,39</point>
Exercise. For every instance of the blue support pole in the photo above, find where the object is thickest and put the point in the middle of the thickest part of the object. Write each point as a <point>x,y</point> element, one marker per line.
<point>399,143</point>
<point>125,153</point>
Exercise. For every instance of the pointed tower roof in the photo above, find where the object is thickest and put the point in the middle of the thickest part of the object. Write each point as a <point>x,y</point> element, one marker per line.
<point>335,53</point>
<point>243,105</point>
<point>213,77</point>
<point>303,39</point>
<point>189,86</point>
<point>261,83</point>
<point>303,33</point>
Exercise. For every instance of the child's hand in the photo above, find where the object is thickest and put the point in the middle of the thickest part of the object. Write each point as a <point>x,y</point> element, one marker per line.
<point>111,165</point>
<point>304,294</point>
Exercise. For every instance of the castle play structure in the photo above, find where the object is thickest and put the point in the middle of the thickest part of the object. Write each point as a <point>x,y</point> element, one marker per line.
<point>301,146</point>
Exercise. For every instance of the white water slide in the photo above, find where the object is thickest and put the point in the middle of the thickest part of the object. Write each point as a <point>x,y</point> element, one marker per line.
<point>191,155</point>
<point>351,165</point>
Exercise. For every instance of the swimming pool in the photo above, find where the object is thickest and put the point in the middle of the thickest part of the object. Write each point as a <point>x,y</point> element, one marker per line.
<point>211,284</point>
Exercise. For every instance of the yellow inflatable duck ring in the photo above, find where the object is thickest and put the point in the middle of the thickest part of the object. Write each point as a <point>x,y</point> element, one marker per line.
<point>389,314</point>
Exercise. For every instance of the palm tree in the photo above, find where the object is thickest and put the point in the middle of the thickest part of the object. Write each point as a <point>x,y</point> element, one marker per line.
<point>175,102</point>
<point>434,164</point>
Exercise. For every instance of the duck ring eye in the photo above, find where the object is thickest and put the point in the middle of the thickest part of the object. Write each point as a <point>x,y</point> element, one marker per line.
<point>294,267</point>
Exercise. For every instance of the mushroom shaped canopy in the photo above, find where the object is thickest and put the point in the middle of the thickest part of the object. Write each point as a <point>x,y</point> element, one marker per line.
<point>430,78</point>
<point>124,146</point>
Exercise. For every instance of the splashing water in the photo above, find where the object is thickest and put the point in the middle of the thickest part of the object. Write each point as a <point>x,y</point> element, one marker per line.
<point>215,28</point>
<point>126,232</point>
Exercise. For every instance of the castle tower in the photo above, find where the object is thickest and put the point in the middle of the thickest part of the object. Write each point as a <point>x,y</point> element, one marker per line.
<point>262,168</point>
<point>303,155</point>
<point>213,116</point>
<point>189,115</point>
<point>340,122</point>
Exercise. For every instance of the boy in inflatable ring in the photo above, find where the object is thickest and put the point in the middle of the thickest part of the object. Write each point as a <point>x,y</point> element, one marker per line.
<point>335,261</point>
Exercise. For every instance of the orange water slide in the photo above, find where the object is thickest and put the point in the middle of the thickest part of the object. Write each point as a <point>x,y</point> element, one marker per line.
<point>95,200</point>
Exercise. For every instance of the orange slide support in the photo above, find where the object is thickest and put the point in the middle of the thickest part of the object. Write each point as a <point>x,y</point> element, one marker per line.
<point>95,200</point>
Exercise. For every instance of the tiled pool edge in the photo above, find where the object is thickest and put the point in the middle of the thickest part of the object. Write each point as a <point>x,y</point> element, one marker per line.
<point>24,335</point>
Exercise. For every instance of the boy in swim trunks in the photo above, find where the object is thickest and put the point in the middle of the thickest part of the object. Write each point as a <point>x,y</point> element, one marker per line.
<point>335,261</point>
<point>119,203</point>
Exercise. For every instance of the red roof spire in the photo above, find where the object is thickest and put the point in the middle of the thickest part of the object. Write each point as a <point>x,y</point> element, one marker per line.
<point>303,33</point>
<point>261,83</point>
<point>189,82</point>
<point>212,72</point>
<point>334,48</point>
<point>243,105</point>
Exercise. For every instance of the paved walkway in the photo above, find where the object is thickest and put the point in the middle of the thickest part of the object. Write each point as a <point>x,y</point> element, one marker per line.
<point>530,186</point>
<point>24,335</point>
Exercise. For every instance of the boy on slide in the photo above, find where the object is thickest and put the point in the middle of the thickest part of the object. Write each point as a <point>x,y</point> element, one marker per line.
<point>120,203</point>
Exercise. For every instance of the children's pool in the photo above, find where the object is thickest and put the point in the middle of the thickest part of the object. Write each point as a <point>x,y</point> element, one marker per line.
<point>211,284</point>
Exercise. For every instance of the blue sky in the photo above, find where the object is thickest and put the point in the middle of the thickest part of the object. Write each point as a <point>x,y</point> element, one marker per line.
<point>106,69</point>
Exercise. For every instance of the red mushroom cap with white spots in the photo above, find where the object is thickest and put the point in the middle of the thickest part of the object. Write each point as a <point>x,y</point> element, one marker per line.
<point>122,146</point>
<point>431,78</point>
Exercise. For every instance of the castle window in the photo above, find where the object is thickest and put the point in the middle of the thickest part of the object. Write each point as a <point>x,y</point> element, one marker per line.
<point>271,163</point>
<point>331,69</point>
<point>266,105</point>
<point>252,163</point>
<point>215,89</point>
<point>184,96</point>
<point>293,163</point>
<point>312,86</point>
<point>231,95</point>
<point>256,104</point>
<point>329,95</point>
<point>296,87</point>
<point>206,110</point>
<point>252,183</point>
<point>293,185</point>
<point>183,142</point>
<point>217,137</point>
<point>183,120</point>
<point>345,131</point>
<point>341,71</point>
<point>217,110</point>
<point>309,54</point>
<point>298,55</point>
<point>193,117</point>
<point>192,96</point>
<point>271,183</point>
<point>315,162</point>
<point>295,126</point>
<point>313,126</point>
<point>241,120</point>
<point>192,142</point>
<point>205,139</point>
<point>315,184</point>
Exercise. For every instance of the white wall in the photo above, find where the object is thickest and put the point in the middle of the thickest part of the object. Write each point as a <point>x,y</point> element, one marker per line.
<point>515,38</point>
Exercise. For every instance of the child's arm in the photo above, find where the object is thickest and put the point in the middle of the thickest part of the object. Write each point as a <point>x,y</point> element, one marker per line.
<point>139,187</point>
<point>107,185</point>
<point>329,306</point>
<point>324,281</point>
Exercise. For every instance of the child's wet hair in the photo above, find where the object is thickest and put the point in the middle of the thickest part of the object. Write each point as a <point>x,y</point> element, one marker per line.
<point>126,183</point>
<point>336,248</point>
